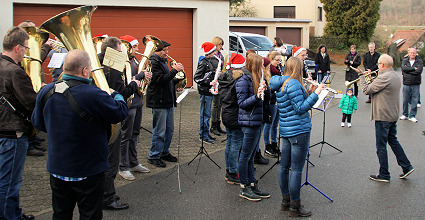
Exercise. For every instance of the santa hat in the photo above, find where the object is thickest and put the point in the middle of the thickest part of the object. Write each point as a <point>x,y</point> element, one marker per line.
<point>132,40</point>
<point>208,48</point>
<point>236,61</point>
<point>297,50</point>
<point>101,36</point>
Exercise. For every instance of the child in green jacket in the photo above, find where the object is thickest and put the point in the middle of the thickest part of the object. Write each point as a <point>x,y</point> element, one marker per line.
<point>348,105</point>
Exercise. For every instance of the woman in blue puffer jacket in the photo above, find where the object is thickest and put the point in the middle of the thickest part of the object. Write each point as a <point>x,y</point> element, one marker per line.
<point>293,103</point>
<point>249,88</point>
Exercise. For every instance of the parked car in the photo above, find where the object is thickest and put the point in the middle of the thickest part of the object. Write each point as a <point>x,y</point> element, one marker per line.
<point>241,42</point>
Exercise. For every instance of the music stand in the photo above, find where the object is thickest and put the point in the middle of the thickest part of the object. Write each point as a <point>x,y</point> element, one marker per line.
<point>202,150</point>
<point>324,105</point>
<point>177,166</point>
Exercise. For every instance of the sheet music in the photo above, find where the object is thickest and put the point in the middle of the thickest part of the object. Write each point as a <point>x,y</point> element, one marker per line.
<point>56,60</point>
<point>322,96</point>
<point>181,96</point>
<point>114,59</point>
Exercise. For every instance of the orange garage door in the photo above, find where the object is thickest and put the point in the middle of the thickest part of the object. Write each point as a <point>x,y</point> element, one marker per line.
<point>171,25</point>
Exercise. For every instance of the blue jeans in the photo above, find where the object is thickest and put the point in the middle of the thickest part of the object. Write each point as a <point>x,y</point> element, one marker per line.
<point>385,132</point>
<point>205,115</point>
<point>233,145</point>
<point>294,153</point>
<point>12,159</point>
<point>162,134</point>
<point>320,77</point>
<point>251,140</point>
<point>410,96</point>
<point>270,129</point>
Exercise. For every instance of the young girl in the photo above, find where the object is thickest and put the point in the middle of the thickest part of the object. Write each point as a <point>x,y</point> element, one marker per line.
<point>294,104</point>
<point>249,88</point>
<point>348,105</point>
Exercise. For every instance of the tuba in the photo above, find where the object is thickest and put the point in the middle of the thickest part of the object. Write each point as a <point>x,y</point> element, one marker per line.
<point>98,40</point>
<point>127,75</point>
<point>152,44</point>
<point>32,60</point>
<point>180,76</point>
<point>72,28</point>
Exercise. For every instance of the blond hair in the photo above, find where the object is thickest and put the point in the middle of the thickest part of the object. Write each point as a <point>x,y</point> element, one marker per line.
<point>294,69</point>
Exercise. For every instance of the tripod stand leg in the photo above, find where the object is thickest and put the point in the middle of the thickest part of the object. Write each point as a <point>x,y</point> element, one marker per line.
<point>208,156</point>
<point>276,163</point>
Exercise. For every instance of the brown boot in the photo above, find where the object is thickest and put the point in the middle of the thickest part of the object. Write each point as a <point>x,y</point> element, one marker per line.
<point>285,202</point>
<point>296,209</point>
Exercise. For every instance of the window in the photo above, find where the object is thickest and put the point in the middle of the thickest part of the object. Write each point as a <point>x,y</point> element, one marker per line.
<point>319,14</point>
<point>234,44</point>
<point>284,11</point>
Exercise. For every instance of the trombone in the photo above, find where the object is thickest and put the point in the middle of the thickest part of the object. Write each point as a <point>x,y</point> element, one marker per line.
<point>368,77</point>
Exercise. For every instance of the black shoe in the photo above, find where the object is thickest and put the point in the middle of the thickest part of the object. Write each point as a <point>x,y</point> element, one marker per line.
<point>233,179</point>
<point>259,159</point>
<point>226,177</point>
<point>219,128</point>
<point>27,217</point>
<point>247,193</point>
<point>211,137</point>
<point>35,152</point>
<point>41,148</point>
<point>38,139</point>
<point>378,178</point>
<point>258,191</point>
<point>214,129</point>
<point>404,175</point>
<point>169,158</point>
<point>117,197</point>
<point>206,140</point>
<point>157,162</point>
<point>115,206</point>
<point>270,151</point>
<point>276,148</point>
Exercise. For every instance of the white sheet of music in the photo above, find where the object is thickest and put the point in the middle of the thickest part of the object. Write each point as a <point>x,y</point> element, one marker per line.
<point>56,60</point>
<point>322,96</point>
<point>114,59</point>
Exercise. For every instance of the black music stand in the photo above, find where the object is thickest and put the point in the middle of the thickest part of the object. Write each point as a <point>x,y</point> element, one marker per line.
<point>325,103</point>
<point>202,150</point>
<point>177,166</point>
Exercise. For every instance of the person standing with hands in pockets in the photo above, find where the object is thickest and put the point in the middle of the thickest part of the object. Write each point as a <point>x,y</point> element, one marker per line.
<point>348,106</point>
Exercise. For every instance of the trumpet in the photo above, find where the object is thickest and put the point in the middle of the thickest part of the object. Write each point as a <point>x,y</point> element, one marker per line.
<point>368,77</point>
<point>180,76</point>
<point>317,84</point>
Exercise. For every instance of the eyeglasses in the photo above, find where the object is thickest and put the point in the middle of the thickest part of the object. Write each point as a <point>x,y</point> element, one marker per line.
<point>26,48</point>
<point>279,60</point>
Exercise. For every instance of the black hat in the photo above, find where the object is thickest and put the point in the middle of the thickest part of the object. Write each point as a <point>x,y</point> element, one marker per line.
<point>166,44</point>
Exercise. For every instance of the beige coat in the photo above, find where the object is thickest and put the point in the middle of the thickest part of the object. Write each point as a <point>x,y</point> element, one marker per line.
<point>385,92</point>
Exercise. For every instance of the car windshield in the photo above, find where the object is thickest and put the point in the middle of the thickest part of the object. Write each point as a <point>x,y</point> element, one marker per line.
<point>257,43</point>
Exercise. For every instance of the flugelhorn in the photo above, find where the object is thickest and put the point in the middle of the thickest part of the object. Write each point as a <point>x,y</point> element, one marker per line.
<point>180,76</point>
<point>72,28</point>
<point>32,59</point>
<point>152,44</point>
<point>317,84</point>
<point>368,77</point>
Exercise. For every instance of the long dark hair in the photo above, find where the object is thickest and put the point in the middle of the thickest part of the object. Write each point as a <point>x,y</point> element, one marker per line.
<point>322,46</point>
<point>279,41</point>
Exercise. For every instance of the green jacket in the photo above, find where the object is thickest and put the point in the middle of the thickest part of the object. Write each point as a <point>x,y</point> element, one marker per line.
<point>348,104</point>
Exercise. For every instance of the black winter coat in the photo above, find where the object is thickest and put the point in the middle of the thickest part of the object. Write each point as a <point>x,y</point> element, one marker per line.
<point>352,74</point>
<point>371,61</point>
<point>204,74</point>
<point>323,64</point>
<point>410,75</point>
<point>229,101</point>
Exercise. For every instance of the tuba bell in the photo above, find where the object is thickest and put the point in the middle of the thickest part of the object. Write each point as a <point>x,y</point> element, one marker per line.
<point>152,44</point>
<point>32,59</point>
<point>72,28</point>
<point>180,76</point>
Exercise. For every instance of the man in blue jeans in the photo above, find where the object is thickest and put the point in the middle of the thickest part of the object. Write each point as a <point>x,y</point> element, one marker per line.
<point>161,97</point>
<point>411,68</point>
<point>17,100</point>
<point>385,93</point>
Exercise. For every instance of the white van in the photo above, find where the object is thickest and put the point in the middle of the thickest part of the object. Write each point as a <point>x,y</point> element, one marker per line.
<point>241,42</point>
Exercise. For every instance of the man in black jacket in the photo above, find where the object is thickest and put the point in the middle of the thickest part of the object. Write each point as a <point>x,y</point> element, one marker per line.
<point>203,76</point>
<point>161,97</point>
<point>370,60</point>
<point>411,68</point>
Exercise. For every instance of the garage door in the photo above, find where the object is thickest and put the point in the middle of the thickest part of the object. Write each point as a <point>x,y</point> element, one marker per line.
<point>171,25</point>
<point>253,30</point>
<point>290,35</point>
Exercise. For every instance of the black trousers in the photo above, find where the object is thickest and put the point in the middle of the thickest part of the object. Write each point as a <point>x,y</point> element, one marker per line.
<point>87,194</point>
<point>111,172</point>
<point>346,116</point>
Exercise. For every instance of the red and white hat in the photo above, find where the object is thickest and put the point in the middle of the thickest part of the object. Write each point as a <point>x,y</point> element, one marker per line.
<point>236,61</point>
<point>132,40</point>
<point>297,50</point>
<point>101,36</point>
<point>208,47</point>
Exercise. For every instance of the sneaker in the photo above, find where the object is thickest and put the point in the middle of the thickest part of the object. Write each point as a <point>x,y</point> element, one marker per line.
<point>233,178</point>
<point>403,117</point>
<point>247,193</point>
<point>211,137</point>
<point>126,175</point>
<point>169,158</point>
<point>270,151</point>
<point>157,162</point>
<point>342,124</point>
<point>418,105</point>
<point>206,140</point>
<point>140,169</point>
<point>413,120</point>
<point>257,190</point>
<point>349,125</point>
<point>378,178</point>
<point>404,175</point>
<point>259,159</point>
